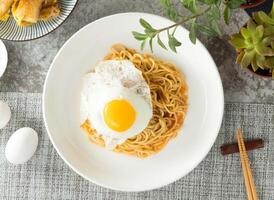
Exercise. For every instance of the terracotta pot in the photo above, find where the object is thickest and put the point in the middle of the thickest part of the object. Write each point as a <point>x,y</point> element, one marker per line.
<point>252,4</point>
<point>259,72</point>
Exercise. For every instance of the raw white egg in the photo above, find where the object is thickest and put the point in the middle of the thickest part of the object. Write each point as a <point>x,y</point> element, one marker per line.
<point>116,100</point>
<point>21,145</point>
<point>5,114</point>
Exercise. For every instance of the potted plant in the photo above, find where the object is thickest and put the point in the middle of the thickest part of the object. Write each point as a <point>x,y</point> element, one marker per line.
<point>252,3</point>
<point>255,44</point>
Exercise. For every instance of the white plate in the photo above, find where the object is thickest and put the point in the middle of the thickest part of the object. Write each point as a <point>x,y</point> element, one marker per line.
<point>117,171</point>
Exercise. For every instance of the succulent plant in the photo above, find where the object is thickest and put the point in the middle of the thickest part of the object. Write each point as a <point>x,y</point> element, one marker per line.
<point>255,42</point>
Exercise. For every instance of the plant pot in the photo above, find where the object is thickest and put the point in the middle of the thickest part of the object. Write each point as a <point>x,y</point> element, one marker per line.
<point>260,72</point>
<point>252,3</point>
<point>258,5</point>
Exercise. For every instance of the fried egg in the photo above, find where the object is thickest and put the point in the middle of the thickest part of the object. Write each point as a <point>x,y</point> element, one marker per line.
<point>116,100</point>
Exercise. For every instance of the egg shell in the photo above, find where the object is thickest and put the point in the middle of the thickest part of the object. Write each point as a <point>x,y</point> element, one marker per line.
<point>21,145</point>
<point>5,114</point>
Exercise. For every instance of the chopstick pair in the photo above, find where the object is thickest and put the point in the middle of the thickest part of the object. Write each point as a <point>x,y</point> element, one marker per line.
<point>248,178</point>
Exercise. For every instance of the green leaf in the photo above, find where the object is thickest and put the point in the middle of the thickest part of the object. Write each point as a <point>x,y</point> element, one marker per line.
<point>190,5</point>
<point>172,14</point>
<point>267,41</point>
<point>214,13</point>
<point>269,30</point>
<point>237,41</point>
<point>265,18</point>
<point>139,36</point>
<point>150,44</point>
<point>227,14</point>
<point>246,33</point>
<point>259,31</point>
<point>233,4</point>
<point>171,46</point>
<point>206,30</point>
<point>146,25</point>
<point>173,42</point>
<point>159,41</point>
<point>192,33</point>
<point>256,18</point>
<point>258,34</point>
<point>260,60</point>
<point>254,65</point>
<point>169,8</point>
<point>247,58</point>
<point>251,25</point>
<point>143,45</point>
<point>165,3</point>
<point>240,57</point>
<point>150,33</point>
<point>271,14</point>
<point>216,28</point>
<point>269,62</point>
<point>263,50</point>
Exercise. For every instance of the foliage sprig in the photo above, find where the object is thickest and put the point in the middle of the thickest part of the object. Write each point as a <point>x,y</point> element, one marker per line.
<point>209,9</point>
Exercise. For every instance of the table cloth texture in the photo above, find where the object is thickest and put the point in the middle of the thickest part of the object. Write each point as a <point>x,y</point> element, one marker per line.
<point>46,176</point>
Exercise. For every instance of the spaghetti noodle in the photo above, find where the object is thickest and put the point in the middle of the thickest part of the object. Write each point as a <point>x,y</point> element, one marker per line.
<point>169,100</point>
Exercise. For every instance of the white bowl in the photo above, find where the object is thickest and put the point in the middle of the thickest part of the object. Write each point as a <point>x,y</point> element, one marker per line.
<point>10,31</point>
<point>117,171</point>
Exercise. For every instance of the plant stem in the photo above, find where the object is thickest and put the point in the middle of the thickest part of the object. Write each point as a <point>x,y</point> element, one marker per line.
<point>173,32</point>
<point>182,21</point>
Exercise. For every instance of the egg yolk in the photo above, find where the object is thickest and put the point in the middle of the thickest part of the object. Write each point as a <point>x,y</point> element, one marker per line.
<point>119,115</point>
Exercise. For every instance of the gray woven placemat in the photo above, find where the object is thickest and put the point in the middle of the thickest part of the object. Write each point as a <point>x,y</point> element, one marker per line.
<point>46,176</point>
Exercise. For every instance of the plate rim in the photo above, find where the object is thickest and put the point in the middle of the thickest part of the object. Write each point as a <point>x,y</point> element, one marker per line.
<point>35,38</point>
<point>123,189</point>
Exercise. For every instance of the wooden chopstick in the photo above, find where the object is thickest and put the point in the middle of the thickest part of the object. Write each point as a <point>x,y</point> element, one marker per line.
<point>249,181</point>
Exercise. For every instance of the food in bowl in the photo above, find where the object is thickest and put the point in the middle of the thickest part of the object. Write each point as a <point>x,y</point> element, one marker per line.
<point>114,93</point>
<point>28,12</point>
<point>133,103</point>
